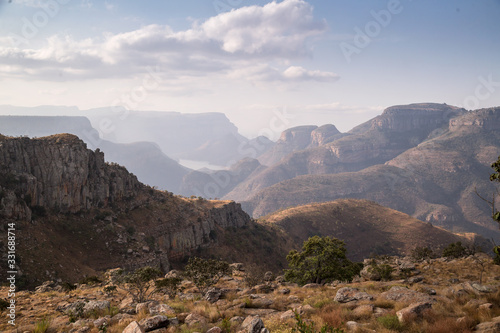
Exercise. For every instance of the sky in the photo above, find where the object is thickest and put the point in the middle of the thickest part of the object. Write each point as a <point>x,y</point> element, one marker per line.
<point>266,65</point>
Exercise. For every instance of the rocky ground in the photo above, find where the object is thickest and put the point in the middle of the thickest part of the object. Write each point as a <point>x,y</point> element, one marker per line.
<point>438,295</point>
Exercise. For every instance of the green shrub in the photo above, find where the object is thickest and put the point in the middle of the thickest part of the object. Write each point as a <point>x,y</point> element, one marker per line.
<point>42,326</point>
<point>422,253</point>
<point>391,322</point>
<point>205,273</point>
<point>138,283</point>
<point>90,280</point>
<point>322,259</point>
<point>169,286</point>
<point>455,250</point>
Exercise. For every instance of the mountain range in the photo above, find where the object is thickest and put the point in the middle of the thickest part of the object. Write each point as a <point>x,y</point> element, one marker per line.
<point>74,214</point>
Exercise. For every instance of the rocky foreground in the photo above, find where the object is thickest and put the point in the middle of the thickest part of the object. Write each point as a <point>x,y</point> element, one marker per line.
<point>438,295</point>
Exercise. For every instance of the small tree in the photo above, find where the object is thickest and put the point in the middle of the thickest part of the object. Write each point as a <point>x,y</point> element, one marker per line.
<point>169,286</point>
<point>455,250</point>
<point>139,283</point>
<point>322,259</point>
<point>205,273</point>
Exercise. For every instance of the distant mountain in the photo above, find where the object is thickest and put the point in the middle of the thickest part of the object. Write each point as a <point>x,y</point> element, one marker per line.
<point>76,215</point>
<point>299,138</point>
<point>209,137</point>
<point>434,181</point>
<point>365,227</point>
<point>398,129</point>
<point>144,159</point>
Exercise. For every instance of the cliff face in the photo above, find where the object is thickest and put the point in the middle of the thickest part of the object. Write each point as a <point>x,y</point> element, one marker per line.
<point>423,117</point>
<point>484,119</point>
<point>59,172</point>
<point>79,214</point>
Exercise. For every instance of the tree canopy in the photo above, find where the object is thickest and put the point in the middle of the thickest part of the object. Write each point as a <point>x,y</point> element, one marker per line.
<point>322,259</point>
<point>496,177</point>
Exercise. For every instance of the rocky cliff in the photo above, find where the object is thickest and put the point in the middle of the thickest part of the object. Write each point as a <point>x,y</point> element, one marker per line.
<point>79,214</point>
<point>59,172</point>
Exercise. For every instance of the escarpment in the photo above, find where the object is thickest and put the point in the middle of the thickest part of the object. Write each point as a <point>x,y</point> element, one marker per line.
<point>79,215</point>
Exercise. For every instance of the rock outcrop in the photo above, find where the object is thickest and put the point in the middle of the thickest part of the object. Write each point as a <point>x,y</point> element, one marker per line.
<point>59,172</point>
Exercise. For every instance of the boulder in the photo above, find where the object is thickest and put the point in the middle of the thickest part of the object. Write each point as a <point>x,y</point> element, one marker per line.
<point>154,323</point>
<point>252,324</point>
<point>96,306</point>
<point>214,330</point>
<point>492,326</point>
<point>134,327</point>
<point>347,294</point>
<point>195,319</point>
<point>213,295</point>
<point>402,294</point>
<point>413,311</point>
<point>161,309</point>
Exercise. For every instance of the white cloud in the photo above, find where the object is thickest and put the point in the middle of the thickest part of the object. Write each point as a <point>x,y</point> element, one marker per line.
<point>229,43</point>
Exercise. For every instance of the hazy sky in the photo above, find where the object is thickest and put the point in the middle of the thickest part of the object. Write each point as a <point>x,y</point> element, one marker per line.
<point>265,64</point>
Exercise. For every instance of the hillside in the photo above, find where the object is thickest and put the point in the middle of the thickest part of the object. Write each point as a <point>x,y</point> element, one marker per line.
<point>144,159</point>
<point>365,227</point>
<point>377,141</point>
<point>74,215</point>
<point>434,181</point>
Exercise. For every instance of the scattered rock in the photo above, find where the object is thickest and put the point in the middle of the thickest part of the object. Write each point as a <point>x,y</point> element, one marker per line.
<point>172,274</point>
<point>284,291</point>
<point>492,326</point>
<point>195,319</point>
<point>486,306</point>
<point>290,314</point>
<point>213,295</point>
<point>415,279</point>
<point>161,308</point>
<point>134,327</point>
<point>263,289</point>
<point>348,294</point>
<point>252,324</point>
<point>154,323</point>
<point>413,311</point>
<point>236,320</point>
<point>214,330</point>
<point>96,306</point>
<point>401,294</point>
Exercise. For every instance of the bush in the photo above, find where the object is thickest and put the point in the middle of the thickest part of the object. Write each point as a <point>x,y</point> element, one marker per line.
<point>422,253</point>
<point>169,286</point>
<point>138,283</point>
<point>90,280</point>
<point>205,273</point>
<point>391,322</point>
<point>384,271</point>
<point>455,250</point>
<point>322,259</point>
<point>67,287</point>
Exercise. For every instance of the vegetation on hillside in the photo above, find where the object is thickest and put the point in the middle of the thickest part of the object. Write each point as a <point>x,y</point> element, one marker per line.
<point>322,260</point>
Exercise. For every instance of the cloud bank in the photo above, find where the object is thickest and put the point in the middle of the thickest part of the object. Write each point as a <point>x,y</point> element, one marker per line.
<point>229,44</point>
